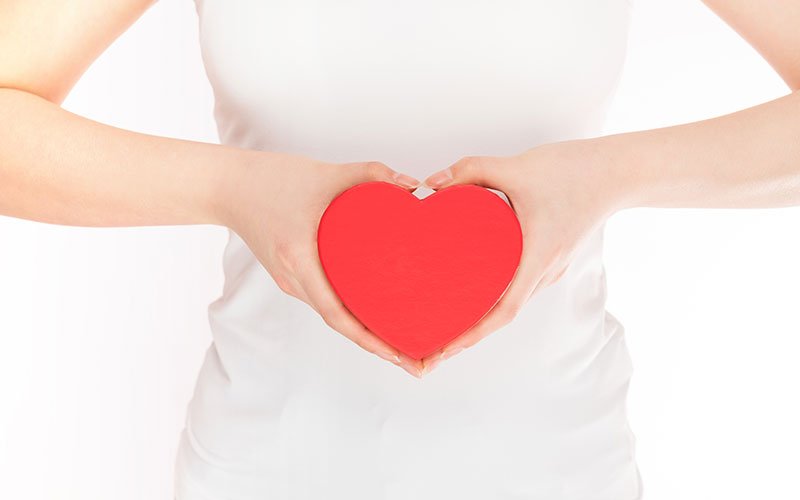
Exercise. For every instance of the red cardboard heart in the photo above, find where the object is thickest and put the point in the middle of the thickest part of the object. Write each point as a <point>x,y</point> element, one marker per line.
<point>419,272</point>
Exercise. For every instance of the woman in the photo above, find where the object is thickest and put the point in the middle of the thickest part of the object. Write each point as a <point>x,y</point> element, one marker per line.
<point>313,98</point>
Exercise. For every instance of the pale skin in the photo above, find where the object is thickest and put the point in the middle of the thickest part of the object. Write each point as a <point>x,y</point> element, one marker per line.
<point>61,168</point>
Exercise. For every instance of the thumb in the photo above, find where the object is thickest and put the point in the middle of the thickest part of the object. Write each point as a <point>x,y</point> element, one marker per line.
<point>467,170</point>
<point>379,171</point>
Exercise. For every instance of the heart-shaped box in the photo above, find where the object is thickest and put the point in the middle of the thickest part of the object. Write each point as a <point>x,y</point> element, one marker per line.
<point>419,272</point>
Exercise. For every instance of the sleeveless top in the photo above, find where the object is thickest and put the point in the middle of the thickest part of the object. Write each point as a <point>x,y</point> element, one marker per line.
<point>286,407</point>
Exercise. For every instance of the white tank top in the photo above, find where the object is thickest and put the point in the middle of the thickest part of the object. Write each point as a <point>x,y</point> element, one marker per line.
<point>287,408</point>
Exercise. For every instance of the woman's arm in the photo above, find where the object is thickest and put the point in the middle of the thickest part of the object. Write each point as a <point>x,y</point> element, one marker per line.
<point>61,168</point>
<point>563,191</point>
<point>746,159</point>
<point>770,27</point>
<point>749,158</point>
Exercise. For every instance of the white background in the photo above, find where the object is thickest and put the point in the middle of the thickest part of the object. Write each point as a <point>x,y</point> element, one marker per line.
<point>103,330</point>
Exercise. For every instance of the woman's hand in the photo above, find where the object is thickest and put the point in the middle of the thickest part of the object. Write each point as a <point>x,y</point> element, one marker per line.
<point>274,202</point>
<point>560,192</point>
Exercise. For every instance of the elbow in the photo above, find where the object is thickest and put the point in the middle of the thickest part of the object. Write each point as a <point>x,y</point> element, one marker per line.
<point>792,80</point>
<point>790,76</point>
<point>53,93</point>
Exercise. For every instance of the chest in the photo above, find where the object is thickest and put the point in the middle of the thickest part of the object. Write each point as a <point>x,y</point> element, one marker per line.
<point>443,65</point>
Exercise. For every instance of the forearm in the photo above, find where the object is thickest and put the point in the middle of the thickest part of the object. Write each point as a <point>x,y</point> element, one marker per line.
<point>746,159</point>
<point>61,168</point>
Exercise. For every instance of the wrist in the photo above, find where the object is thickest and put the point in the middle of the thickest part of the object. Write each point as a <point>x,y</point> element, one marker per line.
<point>227,176</point>
<point>217,170</point>
<point>607,165</point>
<point>631,174</point>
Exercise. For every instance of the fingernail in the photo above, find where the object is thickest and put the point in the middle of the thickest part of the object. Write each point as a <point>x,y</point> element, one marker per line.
<point>407,365</point>
<point>439,178</point>
<point>450,353</point>
<point>388,356</point>
<point>406,180</point>
<point>415,370</point>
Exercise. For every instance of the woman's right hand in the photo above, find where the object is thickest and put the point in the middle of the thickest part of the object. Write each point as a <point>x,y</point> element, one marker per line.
<point>274,201</point>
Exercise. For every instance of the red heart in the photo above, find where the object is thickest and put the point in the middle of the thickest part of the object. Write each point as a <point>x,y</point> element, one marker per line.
<point>419,272</point>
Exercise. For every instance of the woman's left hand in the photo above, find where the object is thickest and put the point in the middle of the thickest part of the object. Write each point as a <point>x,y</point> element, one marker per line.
<point>560,192</point>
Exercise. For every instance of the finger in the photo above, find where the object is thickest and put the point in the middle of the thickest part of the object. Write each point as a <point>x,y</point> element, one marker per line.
<point>525,280</point>
<point>337,316</point>
<point>378,171</point>
<point>480,170</point>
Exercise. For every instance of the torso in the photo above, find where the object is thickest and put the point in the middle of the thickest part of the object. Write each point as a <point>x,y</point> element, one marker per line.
<point>285,407</point>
